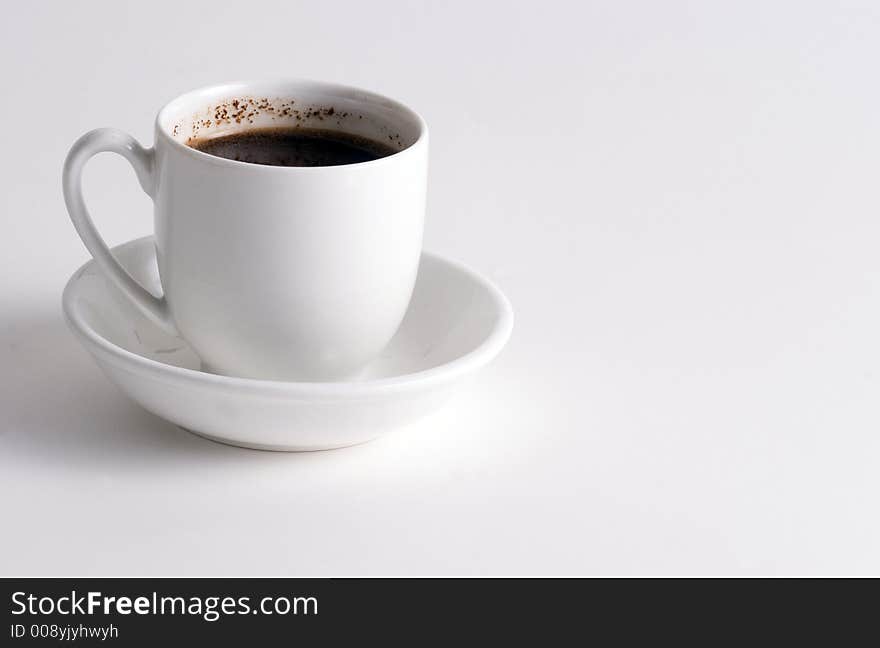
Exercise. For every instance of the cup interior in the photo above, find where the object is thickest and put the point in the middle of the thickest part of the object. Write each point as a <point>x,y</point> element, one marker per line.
<point>236,107</point>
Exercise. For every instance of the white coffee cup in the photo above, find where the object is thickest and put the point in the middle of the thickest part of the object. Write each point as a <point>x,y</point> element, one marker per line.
<point>284,273</point>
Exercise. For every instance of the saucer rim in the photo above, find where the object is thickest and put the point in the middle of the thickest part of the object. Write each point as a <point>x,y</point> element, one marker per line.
<point>448,371</point>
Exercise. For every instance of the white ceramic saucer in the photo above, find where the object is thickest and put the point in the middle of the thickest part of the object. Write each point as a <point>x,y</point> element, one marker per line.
<point>456,323</point>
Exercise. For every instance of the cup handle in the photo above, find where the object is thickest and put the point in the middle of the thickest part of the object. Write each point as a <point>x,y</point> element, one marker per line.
<point>143,162</point>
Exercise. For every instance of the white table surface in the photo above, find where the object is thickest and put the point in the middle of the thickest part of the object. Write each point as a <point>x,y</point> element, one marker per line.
<point>679,198</point>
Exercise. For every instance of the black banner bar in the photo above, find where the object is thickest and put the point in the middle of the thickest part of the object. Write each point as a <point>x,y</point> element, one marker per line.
<point>151,612</point>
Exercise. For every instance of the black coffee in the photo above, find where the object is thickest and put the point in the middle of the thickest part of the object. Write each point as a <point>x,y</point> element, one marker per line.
<point>307,147</point>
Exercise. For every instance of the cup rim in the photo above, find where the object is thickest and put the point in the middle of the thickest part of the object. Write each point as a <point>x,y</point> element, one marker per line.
<point>242,86</point>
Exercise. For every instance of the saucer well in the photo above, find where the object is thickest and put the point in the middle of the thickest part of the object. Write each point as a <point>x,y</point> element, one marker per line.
<point>457,322</point>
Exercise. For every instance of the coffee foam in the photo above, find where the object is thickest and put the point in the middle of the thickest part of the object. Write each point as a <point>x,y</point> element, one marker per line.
<point>240,113</point>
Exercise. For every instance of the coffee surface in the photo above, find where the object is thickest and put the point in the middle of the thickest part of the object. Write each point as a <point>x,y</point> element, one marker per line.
<point>304,147</point>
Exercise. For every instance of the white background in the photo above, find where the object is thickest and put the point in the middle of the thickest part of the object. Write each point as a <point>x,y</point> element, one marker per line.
<point>680,200</point>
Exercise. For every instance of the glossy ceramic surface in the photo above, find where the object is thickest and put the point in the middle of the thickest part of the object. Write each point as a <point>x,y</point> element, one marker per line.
<point>265,269</point>
<point>456,323</point>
